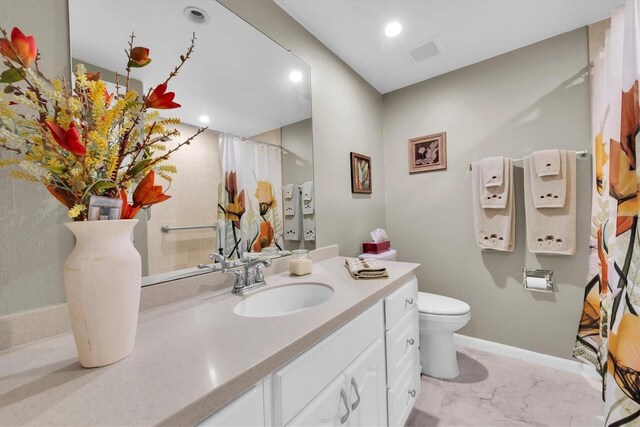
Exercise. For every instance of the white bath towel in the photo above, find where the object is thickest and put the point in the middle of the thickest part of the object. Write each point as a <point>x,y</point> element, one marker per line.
<point>547,162</point>
<point>308,203</point>
<point>494,228</point>
<point>495,196</point>
<point>288,191</point>
<point>551,230</point>
<point>292,215</point>
<point>549,191</point>
<point>492,171</point>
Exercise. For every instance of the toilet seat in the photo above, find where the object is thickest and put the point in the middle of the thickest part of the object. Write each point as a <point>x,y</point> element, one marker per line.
<point>441,305</point>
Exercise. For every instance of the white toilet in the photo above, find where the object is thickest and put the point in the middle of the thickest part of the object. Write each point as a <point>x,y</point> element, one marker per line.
<point>440,317</point>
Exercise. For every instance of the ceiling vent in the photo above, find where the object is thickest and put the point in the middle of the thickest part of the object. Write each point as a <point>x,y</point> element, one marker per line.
<point>195,14</point>
<point>426,50</point>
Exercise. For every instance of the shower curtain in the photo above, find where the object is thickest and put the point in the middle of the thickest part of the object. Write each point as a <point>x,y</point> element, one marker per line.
<point>609,331</point>
<point>249,196</point>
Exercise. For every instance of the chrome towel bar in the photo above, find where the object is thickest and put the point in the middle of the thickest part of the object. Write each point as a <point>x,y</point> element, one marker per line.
<point>580,154</point>
<point>166,228</point>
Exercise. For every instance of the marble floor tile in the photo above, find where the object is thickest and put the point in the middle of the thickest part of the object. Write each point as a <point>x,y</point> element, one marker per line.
<point>494,390</point>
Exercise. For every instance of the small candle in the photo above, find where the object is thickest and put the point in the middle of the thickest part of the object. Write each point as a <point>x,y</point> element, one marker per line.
<point>300,264</point>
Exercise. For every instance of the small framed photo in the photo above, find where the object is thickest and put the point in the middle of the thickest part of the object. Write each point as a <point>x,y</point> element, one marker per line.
<point>360,173</point>
<point>428,153</point>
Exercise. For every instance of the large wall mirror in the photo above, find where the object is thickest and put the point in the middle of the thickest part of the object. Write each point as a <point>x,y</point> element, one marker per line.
<point>257,99</point>
<point>252,94</point>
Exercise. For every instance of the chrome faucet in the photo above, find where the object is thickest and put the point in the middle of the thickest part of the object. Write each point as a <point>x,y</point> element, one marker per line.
<point>248,274</point>
<point>251,276</point>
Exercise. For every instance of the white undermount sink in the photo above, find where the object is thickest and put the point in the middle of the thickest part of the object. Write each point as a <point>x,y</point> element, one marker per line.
<point>282,300</point>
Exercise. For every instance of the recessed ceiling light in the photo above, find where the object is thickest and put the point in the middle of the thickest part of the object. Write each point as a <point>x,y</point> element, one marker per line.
<point>195,14</point>
<point>295,76</point>
<point>204,119</point>
<point>393,29</point>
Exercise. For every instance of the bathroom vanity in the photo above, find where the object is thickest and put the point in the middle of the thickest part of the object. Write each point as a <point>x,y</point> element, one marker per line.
<point>350,360</point>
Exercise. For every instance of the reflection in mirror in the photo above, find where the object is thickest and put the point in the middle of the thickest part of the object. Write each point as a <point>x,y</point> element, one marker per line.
<point>255,98</point>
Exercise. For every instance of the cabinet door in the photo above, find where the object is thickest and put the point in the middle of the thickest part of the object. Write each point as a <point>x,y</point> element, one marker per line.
<point>329,408</point>
<point>367,387</point>
<point>246,410</point>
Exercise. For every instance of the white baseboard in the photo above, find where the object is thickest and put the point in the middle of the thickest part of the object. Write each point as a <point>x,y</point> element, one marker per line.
<point>567,365</point>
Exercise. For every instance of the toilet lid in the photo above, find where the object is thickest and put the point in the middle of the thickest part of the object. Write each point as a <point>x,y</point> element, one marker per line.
<point>438,304</point>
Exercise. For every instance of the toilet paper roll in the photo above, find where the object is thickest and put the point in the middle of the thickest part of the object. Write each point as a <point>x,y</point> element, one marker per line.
<point>539,283</point>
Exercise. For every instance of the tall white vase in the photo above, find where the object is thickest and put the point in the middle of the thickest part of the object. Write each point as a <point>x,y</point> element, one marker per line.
<point>102,279</point>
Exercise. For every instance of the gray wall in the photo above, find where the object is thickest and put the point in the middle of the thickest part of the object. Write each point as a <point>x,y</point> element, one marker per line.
<point>347,116</point>
<point>34,243</point>
<point>533,98</point>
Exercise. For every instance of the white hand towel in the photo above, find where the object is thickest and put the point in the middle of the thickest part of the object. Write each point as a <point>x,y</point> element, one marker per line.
<point>549,191</point>
<point>492,171</point>
<point>288,191</point>
<point>551,230</point>
<point>547,162</point>
<point>495,197</point>
<point>308,203</point>
<point>309,227</point>
<point>494,228</point>
<point>290,204</point>
<point>292,216</point>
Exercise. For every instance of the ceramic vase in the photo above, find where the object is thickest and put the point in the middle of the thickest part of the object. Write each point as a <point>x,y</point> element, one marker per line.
<point>102,279</point>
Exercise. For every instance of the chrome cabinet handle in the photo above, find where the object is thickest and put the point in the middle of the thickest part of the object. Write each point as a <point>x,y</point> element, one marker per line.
<point>410,341</point>
<point>412,393</point>
<point>354,384</point>
<point>343,395</point>
<point>409,301</point>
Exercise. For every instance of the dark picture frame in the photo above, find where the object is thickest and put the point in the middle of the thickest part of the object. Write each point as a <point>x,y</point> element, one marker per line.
<point>360,173</point>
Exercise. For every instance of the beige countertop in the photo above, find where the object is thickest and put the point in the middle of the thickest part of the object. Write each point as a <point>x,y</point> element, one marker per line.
<point>190,358</point>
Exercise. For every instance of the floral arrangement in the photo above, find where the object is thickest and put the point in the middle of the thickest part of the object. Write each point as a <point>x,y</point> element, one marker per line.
<point>85,141</point>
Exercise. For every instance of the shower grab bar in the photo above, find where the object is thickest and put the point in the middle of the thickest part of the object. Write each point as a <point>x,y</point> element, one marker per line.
<point>580,154</point>
<point>166,228</point>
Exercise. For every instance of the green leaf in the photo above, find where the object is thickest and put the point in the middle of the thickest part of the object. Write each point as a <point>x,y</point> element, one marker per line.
<point>134,64</point>
<point>100,186</point>
<point>11,75</point>
<point>58,170</point>
<point>139,167</point>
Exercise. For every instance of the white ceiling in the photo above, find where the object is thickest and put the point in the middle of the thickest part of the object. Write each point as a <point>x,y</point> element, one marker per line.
<point>470,31</point>
<point>237,76</point>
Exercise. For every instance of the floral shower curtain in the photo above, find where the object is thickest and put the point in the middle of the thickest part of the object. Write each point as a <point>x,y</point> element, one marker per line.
<point>249,196</point>
<point>609,330</point>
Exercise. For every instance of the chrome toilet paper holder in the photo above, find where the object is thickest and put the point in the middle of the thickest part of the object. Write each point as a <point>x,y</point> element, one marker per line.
<point>537,280</point>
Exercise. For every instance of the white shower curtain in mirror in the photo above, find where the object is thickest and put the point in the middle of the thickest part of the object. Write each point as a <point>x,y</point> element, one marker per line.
<point>249,196</point>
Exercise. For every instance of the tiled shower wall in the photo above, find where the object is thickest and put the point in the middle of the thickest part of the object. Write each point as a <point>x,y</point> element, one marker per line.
<point>194,200</point>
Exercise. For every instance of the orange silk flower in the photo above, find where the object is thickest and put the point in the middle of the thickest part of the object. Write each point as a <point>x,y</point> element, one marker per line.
<point>161,99</point>
<point>21,48</point>
<point>68,139</point>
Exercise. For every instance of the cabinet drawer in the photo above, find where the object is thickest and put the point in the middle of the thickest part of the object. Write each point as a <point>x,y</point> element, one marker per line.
<point>302,379</point>
<point>403,341</point>
<point>400,302</point>
<point>402,396</point>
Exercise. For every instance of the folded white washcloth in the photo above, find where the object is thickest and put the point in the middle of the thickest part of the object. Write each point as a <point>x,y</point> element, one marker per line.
<point>494,228</point>
<point>496,197</point>
<point>547,162</point>
<point>549,191</point>
<point>288,191</point>
<point>492,171</point>
<point>308,203</point>
<point>551,231</point>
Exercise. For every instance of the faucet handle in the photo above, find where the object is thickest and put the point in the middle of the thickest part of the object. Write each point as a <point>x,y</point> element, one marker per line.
<point>259,274</point>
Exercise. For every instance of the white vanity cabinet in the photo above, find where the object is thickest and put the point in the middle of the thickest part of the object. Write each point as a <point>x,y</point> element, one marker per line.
<point>367,373</point>
<point>245,410</point>
<point>403,353</point>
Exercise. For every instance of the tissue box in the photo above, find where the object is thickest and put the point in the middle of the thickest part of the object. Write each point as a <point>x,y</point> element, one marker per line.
<point>376,247</point>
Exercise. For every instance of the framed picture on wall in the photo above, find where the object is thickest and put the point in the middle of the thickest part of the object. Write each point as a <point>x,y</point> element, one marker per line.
<point>360,173</point>
<point>428,153</point>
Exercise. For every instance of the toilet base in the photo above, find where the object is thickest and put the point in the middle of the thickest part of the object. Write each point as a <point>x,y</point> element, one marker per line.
<point>438,356</point>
